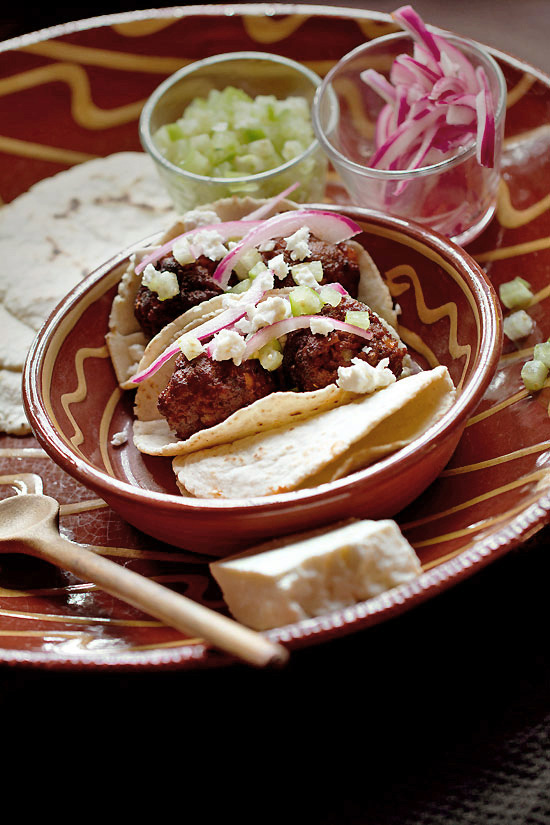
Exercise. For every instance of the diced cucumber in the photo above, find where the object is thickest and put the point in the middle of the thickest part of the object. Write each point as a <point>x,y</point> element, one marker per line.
<point>534,374</point>
<point>515,294</point>
<point>304,301</point>
<point>230,127</point>
<point>358,319</point>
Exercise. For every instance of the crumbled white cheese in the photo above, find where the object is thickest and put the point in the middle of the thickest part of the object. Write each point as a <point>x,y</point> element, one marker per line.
<point>310,274</point>
<point>360,377</point>
<point>297,244</point>
<point>209,243</point>
<point>164,283</point>
<point>226,344</point>
<point>200,217</point>
<point>518,325</point>
<point>190,345</point>
<point>267,246</point>
<point>278,266</point>
<point>118,439</point>
<point>265,280</point>
<point>263,314</point>
<point>183,252</point>
<point>321,325</point>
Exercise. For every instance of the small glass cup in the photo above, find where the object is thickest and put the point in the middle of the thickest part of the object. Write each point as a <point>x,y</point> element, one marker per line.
<point>457,196</point>
<point>256,73</point>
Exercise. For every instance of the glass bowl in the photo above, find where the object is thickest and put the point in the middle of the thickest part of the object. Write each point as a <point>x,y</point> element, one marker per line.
<point>256,73</point>
<point>456,197</point>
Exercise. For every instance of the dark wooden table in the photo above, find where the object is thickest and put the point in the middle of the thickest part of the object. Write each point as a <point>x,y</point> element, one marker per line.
<point>439,716</point>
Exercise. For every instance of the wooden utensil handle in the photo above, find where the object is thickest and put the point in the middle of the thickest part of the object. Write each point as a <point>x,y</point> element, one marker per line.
<point>172,608</point>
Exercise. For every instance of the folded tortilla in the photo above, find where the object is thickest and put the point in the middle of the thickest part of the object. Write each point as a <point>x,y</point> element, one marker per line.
<point>321,447</point>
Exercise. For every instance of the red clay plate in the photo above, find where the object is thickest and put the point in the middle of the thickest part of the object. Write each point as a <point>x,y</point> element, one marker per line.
<point>493,494</point>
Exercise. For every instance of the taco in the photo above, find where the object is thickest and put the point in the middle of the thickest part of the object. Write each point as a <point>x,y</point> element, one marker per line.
<point>138,313</point>
<point>321,447</point>
<point>290,332</point>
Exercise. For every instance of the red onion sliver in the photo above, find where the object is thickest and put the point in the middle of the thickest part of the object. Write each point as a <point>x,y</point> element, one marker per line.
<point>227,229</point>
<point>413,23</point>
<point>260,213</point>
<point>440,102</point>
<point>485,122</point>
<point>380,85</point>
<point>225,319</point>
<point>280,328</point>
<point>325,225</point>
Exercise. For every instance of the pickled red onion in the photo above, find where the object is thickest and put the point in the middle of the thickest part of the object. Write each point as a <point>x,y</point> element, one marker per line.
<point>327,226</point>
<point>227,229</point>
<point>435,102</point>
<point>205,330</point>
<point>279,328</point>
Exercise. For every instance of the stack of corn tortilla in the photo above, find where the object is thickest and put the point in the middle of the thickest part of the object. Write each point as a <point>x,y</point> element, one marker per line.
<point>55,234</point>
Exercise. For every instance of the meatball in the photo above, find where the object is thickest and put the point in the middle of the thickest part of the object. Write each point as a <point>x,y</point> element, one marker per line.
<point>196,285</point>
<point>340,262</point>
<point>203,392</point>
<point>311,361</point>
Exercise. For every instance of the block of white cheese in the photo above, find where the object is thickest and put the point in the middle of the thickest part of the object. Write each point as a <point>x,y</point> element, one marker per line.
<point>266,588</point>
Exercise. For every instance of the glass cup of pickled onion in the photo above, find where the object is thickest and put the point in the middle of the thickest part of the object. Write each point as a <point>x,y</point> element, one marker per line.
<point>405,146</point>
<point>235,124</point>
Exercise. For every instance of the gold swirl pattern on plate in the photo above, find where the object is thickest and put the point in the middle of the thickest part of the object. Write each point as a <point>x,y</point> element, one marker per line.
<point>264,29</point>
<point>39,151</point>
<point>106,58</point>
<point>143,28</point>
<point>84,111</point>
<point>509,217</point>
<point>519,90</point>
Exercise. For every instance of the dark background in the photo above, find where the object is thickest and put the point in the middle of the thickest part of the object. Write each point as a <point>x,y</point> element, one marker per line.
<point>439,716</point>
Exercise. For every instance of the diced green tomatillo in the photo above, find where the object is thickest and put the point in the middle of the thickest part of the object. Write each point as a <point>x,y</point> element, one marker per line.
<point>257,269</point>
<point>242,286</point>
<point>515,294</point>
<point>329,295</point>
<point>246,262</point>
<point>304,301</point>
<point>236,135</point>
<point>534,374</point>
<point>541,352</point>
<point>270,355</point>
<point>358,319</point>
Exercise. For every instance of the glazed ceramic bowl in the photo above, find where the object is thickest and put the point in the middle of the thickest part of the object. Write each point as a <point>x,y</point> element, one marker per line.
<point>449,315</point>
<point>255,73</point>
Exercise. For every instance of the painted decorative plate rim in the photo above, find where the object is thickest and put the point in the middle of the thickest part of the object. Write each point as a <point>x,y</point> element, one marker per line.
<point>485,548</point>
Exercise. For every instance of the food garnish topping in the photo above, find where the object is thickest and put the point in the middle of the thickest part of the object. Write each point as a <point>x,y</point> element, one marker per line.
<point>435,103</point>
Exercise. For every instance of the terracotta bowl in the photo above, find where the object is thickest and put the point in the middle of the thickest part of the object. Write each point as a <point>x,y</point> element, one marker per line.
<point>449,315</point>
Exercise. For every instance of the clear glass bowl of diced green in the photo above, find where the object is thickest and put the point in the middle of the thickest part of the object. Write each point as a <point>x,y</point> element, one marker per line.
<point>235,124</point>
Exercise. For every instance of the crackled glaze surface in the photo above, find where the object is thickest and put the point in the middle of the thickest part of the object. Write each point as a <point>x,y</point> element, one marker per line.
<point>88,85</point>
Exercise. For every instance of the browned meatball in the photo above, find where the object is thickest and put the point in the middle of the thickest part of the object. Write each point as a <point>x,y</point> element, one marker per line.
<point>202,392</point>
<point>196,285</point>
<point>340,262</point>
<point>311,361</point>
